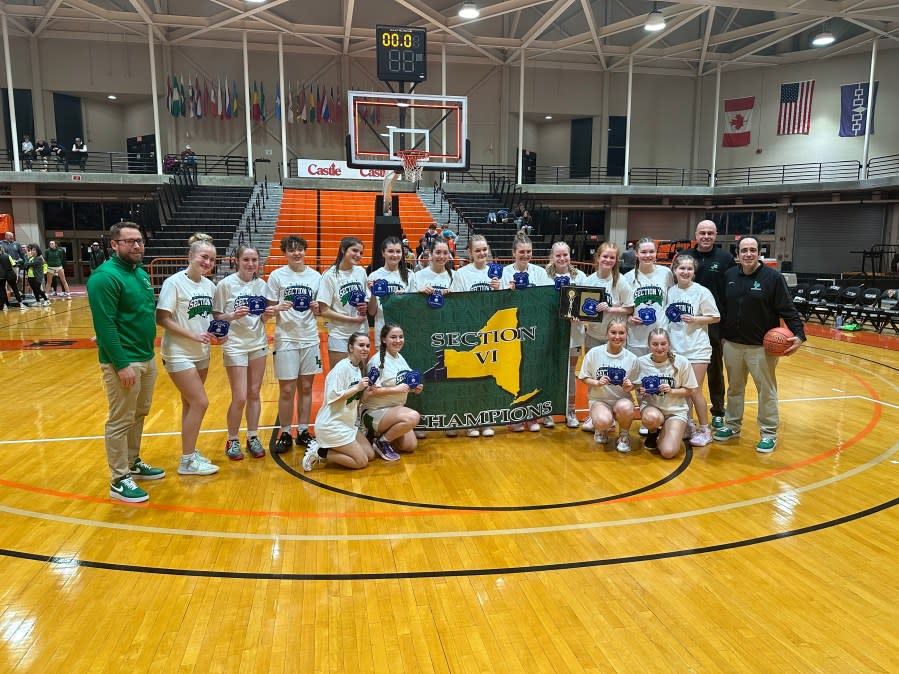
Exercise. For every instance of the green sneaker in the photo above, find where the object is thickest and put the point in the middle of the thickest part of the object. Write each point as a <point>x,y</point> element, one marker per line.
<point>717,423</point>
<point>766,445</point>
<point>125,489</point>
<point>725,434</point>
<point>143,471</point>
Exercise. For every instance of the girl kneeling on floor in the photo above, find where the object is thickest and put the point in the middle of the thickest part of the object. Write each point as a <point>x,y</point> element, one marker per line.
<point>666,381</point>
<point>609,371</point>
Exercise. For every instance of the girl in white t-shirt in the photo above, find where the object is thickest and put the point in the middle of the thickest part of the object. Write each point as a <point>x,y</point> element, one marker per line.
<point>344,279</point>
<point>437,275</point>
<point>609,371</point>
<point>664,410</point>
<point>691,309</point>
<point>184,310</point>
<point>474,277</point>
<point>522,250</point>
<point>560,265</point>
<point>619,302</point>
<point>337,438</point>
<point>649,284</point>
<point>245,352</point>
<point>399,277</point>
<point>384,410</point>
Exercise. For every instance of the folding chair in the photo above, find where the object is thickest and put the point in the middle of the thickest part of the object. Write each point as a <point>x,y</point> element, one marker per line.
<point>889,305</point>
<point>828,308</point>
<point>847,302</point>
<point>800,300</point>
<point>868,311</point>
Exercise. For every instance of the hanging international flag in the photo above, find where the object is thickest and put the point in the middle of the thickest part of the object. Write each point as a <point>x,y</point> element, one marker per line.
<point>255,115</point>
<point>235,101</point>
<point>320,99</point>
<point>737,121</point>
<point>213,101</point>
<point>278,101</point>
<point>229,109</point>
<point>262,100</point>
<point>795,112</point>
<point>312,106</point>
<point>183,98</point>
<point>290,117</point>
<point>191,100</point>
<point>326,108</point>
<point>168,95</point>
<point>304,114</point>
<point>198,100</point>
<point>339,109</point>
<point>854,109</point>
<point>222,99</point>
<point>176,97</point>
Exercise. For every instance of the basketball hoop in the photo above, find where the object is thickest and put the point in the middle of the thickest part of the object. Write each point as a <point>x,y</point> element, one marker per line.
<point>413,163</point>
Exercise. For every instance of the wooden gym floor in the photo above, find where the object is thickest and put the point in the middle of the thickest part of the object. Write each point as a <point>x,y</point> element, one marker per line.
<point>519,553</point>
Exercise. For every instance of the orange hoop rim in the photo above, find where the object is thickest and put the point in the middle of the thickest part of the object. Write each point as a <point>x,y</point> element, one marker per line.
<point>411,158</point>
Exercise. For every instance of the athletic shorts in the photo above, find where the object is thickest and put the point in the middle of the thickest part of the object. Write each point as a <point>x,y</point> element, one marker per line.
<point>609,406</point>
<point>293,363</point>
<point>371,419</point>
<point>182,365</point>
<point>678,415</point>
<point>339,344</point>
<point>55,270</point>
<point>243,359</point>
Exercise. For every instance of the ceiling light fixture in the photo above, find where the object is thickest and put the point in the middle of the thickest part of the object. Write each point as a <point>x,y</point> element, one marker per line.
<point>548,117</point>
<point>112,97</point>
<point>655,21</point>
<point>469,10</point>
<point>823,39</point>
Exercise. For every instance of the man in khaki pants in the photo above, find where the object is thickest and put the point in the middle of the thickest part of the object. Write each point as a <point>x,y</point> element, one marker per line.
<point>756,298</point>
<point>123,308</point>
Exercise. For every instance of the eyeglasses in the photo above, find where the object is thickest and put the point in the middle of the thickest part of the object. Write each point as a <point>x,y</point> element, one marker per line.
<point>130,242</point>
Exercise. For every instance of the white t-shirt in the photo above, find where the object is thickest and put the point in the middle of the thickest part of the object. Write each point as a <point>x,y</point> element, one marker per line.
<point>428,277</point>
<point>397,286</point>
<point>536,276</point>
<point>597,363</point>
<point>577,327</point>
<point>335,423</point>
<point>334,292</point>
<point>648,291</point>
<point>667,404</point>
<point>691,340</point>
<point>190,305</point>
<point>248,333</point>
<point>294,329</point>
<point>471,279</point>
<point>619,296</point>
<point>392,374</point>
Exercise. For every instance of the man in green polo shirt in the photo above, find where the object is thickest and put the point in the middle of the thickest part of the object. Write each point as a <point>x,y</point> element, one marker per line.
<point>124,313</point>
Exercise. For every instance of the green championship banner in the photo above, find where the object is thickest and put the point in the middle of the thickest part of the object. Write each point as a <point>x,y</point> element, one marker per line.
<point>486,358</point>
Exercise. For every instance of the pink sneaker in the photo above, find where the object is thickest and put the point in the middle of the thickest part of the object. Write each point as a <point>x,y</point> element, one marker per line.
<point>701,437</point>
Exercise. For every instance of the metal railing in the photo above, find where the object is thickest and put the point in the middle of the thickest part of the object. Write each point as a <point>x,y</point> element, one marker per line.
<point>878,167</point>
<point>669,176</point>
<point>206,165</point>
<point>127,162</point>
<point>789,173</point>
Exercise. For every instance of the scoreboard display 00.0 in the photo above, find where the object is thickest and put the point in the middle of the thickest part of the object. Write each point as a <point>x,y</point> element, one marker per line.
<point>401,54</point>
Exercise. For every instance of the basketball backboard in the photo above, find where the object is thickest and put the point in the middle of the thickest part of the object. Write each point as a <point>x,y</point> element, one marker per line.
<point>381,124</point>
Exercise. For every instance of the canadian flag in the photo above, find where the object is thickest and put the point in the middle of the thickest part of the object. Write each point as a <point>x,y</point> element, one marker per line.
<point>738,121</point>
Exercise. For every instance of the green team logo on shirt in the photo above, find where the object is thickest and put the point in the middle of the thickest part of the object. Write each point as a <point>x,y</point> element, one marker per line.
<point>199,305</point>
<point>346,289</point>
<point>292,291</point>
<point>647,295</point>
<point>714,266</point>
<point>756,285</point>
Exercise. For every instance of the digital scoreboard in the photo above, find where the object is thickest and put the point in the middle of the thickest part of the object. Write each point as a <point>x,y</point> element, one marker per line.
<point>402,54</point>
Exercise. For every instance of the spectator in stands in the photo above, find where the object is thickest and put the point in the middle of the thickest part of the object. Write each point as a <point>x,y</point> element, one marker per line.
<point>58,152</point>
<point>430,237</point>
<point>95,255</point>
<point>41,152</point>
<point>450,237</point>
<point>521,216</point>
<point>56,260</point>
<point>628,258</point>
<point>79,154</point>
<point>27,152</point>
<point>189,160</point>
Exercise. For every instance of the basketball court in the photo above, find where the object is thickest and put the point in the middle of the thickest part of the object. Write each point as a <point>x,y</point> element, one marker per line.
<point>521,552</point>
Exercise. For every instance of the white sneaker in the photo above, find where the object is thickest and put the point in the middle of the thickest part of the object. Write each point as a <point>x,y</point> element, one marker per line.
<point>643,431</point>
<point>571,420</point>
<point>192,465</point>
<point>587,426</point>
<point>701,437</point>
<point>487,432</point>
<point>68,296</point>
<point>548,422</point>
<point>421,435</point>
<point>600,437</point>
<point>515,428</point>
<point>472,433</point>
<point>690,430</point>
<point>45,303</point>
<point>200,457</point>
<point>311,457</point>
<point>534,426</point>
<point>624,443</point>
<point>452,434</point>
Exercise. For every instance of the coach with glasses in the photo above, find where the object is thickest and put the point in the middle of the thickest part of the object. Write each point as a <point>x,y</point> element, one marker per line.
<point>123,308</point>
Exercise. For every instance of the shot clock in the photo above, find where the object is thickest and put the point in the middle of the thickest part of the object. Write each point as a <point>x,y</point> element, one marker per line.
<point>401,54</point>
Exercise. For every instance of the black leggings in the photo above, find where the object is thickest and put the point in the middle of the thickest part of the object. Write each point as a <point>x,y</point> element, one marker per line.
<point>36,288</point>
<point>15,288</point>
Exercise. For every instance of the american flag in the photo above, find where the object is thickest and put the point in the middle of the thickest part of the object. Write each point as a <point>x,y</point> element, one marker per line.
<point>795,112</point>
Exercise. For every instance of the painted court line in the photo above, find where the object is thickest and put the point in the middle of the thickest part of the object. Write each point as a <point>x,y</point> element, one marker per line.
<point>524,531</point>
<point>163,434</point>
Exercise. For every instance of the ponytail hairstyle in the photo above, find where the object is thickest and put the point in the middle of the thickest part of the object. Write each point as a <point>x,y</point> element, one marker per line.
<point>655,332</point>
<point>645,239</point>
<point>616,270</point>
<point>478,238</point>
<point>383,348</point>
<point>403,268</point>
<point>681,258</point>
<point>551,267</point>
<point>520,239</point>
<point>616,320</point>
<point>200,240</point>
<point>355,337</point>
<point>243,248</point>
<point>345,244</point>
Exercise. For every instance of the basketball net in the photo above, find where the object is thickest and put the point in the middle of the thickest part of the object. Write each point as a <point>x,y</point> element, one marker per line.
<point>413,163</point>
